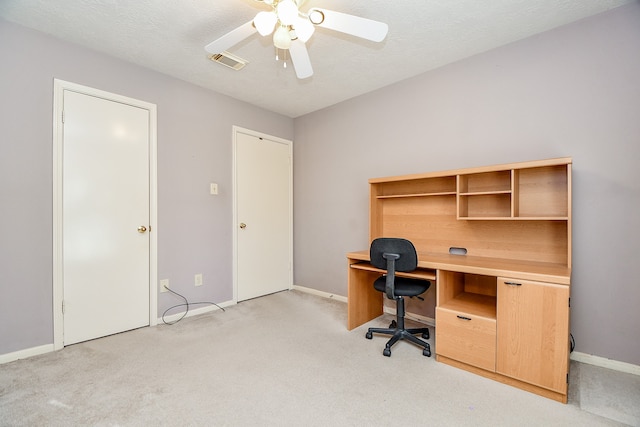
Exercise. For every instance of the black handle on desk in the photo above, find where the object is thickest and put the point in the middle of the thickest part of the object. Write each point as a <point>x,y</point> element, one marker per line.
<point>463,318</point>
<point>513,283</point>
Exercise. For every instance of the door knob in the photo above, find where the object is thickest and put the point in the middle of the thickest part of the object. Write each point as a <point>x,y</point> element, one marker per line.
<point>243,225</point>
<point>142,229</point>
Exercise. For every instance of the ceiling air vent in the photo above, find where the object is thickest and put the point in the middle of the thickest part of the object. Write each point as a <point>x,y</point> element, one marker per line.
<point>231,61</point>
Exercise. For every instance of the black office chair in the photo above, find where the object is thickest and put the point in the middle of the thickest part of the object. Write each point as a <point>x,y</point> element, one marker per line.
<point>393,255</point>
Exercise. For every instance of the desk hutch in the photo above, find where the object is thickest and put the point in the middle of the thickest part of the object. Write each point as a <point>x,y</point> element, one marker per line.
<point>497,242</point>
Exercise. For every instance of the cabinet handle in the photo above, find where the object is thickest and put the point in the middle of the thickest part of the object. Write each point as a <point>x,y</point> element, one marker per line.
<point>464,318</point>
<point>513,283</point>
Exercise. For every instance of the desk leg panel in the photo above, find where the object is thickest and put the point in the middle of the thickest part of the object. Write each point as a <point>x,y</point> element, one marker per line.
<point>364,303</point>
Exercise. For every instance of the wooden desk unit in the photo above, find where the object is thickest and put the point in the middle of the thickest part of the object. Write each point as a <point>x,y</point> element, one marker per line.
<point>502,309</point>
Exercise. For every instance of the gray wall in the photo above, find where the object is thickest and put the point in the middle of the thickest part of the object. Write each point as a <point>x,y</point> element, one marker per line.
<point>573,91</point>
<point>194,149</point>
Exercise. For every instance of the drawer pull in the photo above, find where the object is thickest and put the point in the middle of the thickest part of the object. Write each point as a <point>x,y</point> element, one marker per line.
<point>464,318</point>
<point>513,283</point>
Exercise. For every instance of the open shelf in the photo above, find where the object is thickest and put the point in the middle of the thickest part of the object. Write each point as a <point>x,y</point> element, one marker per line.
<point>542,192</point>
<point>535,193</point>
<point>485,182</point>
<point>472,304</point>
<point>423,187</point>
<point>485,205</point>
<point>468,294</point>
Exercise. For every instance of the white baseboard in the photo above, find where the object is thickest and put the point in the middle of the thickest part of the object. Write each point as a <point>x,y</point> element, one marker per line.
<point>320,293</point>
<point>23,354</point>
<point>603,362</point>
<point>194,312</point>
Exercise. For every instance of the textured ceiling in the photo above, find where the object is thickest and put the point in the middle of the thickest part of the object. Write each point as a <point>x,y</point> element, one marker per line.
<point>169,36</point>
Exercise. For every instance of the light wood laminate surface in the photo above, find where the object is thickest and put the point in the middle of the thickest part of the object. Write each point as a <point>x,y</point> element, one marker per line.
<point>502,305</point>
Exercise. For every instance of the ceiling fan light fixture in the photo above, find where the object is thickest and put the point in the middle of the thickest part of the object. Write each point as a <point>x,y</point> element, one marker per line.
<point>281,38</point>
<point>265,22</point>
<point>291,30</point>
<point>287,12</point>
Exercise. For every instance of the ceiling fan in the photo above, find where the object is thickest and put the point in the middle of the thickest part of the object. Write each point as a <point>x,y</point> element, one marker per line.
<point>292,28</point>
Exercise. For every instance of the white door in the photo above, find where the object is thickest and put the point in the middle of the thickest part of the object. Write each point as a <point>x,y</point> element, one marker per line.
<point>105,217</point>
<point>263,214</point>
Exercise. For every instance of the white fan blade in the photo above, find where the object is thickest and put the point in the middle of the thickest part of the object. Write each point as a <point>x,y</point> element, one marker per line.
<point>300,59</point>
<point>349,24</point>
<point>231,39</point>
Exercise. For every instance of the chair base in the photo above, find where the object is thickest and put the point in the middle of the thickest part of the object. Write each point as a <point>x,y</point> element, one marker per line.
<point>398,332</point>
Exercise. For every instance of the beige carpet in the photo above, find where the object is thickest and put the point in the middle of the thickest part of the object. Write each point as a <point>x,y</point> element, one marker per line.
<point>612,394</point>
<point>281,360</point>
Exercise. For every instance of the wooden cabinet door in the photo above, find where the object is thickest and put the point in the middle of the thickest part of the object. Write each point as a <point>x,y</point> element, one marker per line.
<point>533,332</point>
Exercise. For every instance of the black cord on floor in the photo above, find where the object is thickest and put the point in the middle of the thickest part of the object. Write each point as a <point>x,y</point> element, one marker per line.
<point>572,342</point>
<point>187,304</point>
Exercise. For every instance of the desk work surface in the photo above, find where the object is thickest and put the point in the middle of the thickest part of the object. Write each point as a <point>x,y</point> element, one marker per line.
<point>530,270</point>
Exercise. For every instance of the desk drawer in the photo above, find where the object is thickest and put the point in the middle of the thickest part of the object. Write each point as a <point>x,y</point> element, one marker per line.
<point>468,339</point>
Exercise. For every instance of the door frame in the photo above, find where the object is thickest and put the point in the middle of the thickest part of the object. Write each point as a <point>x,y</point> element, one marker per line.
<point>59,86</point>
<point>289,143</point>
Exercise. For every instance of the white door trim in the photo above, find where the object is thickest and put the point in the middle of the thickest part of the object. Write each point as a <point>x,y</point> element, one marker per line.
<point>236,130</point>
<point>58,285</point>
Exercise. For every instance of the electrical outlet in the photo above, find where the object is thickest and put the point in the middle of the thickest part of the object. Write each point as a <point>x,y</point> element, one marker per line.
<point>164,285</point>
<point>198,280</point>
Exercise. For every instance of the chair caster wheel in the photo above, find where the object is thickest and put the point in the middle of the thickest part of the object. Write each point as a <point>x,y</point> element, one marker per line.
<point>386,352</point>
<point>393,324</point>
<point>369,335</point>
<point>426,352</point>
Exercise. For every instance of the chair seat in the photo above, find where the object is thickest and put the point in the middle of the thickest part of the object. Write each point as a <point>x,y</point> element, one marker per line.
<point>404,287</point>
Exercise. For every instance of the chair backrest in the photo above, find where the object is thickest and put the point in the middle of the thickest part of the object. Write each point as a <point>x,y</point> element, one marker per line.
<point>408,260</point>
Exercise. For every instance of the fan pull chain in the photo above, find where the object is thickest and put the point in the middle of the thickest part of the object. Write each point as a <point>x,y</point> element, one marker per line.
<point>284,56</point>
